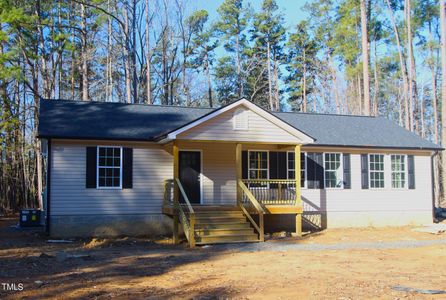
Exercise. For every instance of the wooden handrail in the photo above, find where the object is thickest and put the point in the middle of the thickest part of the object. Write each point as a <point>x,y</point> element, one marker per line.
<point>260,211</point>
<point>186,199</point>
<point>251,197</point>
<point>188,225</point>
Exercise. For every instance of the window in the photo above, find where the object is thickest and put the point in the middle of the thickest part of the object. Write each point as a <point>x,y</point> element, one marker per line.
<point>240,119</point>
<point>376,171</point>
<point>109,165</point>
<point>333,170</point>
<point>303,167</point>
<point>398,163</point>
<point>258,166</point>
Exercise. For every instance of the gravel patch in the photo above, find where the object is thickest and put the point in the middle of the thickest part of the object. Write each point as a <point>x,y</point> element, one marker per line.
<point>287,246</point>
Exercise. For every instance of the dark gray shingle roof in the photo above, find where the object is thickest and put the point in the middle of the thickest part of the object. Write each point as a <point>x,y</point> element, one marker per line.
<point>119,121</point>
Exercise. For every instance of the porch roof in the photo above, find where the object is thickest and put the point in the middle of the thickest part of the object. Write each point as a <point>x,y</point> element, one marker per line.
<point>67,119</point>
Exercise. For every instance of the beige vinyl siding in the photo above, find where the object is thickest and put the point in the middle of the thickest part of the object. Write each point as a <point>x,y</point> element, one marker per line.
<point>219,171</point>
<point>69,196</point>
<point>221,128</point>
<point>374,207</point>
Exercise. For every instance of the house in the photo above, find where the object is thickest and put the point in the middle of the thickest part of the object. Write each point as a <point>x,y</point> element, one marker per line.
<point>227,174</point>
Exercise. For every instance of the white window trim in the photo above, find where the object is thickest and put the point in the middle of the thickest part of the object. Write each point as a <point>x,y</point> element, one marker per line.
<point>288,169</point>
<point>341,166</point>
<point>406,172</point>
<point>384,172</point>
<point>240,112</point>
<point>267,167</point>
<point>97,170</point>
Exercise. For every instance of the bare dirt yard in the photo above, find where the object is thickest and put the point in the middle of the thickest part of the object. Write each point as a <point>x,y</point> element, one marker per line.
<point>385,263</point>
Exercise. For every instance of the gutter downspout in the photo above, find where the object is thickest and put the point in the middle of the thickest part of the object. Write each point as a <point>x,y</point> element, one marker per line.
<point>434,194</point>
<point>48,188</point>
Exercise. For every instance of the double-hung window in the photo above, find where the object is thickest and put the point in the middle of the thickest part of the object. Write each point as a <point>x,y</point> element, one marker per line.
<point>109,167</point>
<point>333,170</point>
<point>398,163</point>
<point>258,167</point>
<point>376,171</point>
<point>291,170</point>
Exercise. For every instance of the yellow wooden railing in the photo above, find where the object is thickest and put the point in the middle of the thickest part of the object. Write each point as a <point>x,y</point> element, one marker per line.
<point>273,191</point>
<point>252,204</point>
<point>183,210</point>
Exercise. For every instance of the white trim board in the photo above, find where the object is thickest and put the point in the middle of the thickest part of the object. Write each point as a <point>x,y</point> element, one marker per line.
<point>306,139</point>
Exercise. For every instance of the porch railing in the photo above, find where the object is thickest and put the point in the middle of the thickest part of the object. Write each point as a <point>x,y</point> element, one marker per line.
<point>252,205</point>
<point>272,191</point>
<point>183,210</point>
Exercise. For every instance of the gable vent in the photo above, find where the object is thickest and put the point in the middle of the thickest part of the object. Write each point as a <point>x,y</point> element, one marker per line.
<point>240,119</point>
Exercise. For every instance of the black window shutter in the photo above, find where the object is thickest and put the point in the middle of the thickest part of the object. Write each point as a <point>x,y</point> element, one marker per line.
<point>315,171</point>
<point>310,171</point>
<point>127,168</point>
<point>90,178</point>
<point>411,170</point>
<point>281,165</point>
<point>273,174</point>
<point>364,171</point>
<point>319,170</point>
<point>244,164</point>
<point>347,176</point>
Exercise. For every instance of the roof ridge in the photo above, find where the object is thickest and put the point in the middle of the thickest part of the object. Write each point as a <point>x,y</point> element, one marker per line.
<point>211,108</point>
<point>323,114</point>
<point>129,104</point>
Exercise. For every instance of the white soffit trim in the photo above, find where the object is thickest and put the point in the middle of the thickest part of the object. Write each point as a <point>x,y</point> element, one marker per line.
<point>305,139</point>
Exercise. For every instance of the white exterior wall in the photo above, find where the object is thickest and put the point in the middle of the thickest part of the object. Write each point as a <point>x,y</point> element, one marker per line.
<point>152,164</point>
<point>69,196</point>
<point>373,207</point>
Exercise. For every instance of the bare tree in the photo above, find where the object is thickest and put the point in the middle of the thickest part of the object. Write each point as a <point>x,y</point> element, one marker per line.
<point>365,58</point>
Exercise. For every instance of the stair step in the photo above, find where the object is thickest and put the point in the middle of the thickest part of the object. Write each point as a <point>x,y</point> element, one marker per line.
<point>234,238</point>
<point>215,208</point>
<point>223,231</point>
<point>222,225</point>
<point>233,213</point>
<point>213,220</point>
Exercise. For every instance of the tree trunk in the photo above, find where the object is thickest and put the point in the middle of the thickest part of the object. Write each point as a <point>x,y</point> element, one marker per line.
<point>208,76</point>
<point>133,51</point>
<point>270,85</point>
<point>304,85</point>
<point>84,58</point>
<point>365,59</point>
<point>128,73</point>
<point>443,90</point>
<point>148,56</point>
<point>402,67</point>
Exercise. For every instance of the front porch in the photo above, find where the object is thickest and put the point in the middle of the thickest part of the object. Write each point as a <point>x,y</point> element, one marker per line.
<point>234,198</point>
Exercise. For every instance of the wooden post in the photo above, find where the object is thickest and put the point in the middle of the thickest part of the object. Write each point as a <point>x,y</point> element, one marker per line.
<point>298,195</point>
<point>238,162</point>
<point>176,169</point>
<point>192,231</point>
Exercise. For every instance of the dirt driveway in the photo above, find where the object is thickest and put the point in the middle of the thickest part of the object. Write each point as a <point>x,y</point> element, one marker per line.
<point>145,269</point>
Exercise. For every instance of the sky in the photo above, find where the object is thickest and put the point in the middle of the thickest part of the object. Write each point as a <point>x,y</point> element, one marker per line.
<point>291,9</point>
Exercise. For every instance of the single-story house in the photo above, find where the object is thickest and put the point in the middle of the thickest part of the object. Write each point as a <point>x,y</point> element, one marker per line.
<point>227,174</point>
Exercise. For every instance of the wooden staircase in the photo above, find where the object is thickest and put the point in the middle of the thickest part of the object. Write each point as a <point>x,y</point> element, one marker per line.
<point>218,225</point>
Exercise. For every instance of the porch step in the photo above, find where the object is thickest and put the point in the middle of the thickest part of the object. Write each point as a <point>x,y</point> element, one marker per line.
<point>222,224</point>
<point>224,213</point>
<point>221,239</point>
<point>223,231</point>
<point>228,225</point>
<point>219,219</point>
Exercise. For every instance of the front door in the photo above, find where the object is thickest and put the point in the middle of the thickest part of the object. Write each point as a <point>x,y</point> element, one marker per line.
<point>190,170</point>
